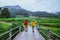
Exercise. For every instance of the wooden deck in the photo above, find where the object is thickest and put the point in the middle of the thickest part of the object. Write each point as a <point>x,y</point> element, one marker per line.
<point>29,35</point>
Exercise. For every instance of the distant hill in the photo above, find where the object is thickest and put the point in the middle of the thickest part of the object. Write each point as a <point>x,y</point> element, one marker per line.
<point>58,14</point>
<point>17,10</point>
<point>44,14</point>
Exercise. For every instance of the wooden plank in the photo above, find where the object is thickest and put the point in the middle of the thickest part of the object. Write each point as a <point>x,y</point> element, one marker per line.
<point>29,35</point>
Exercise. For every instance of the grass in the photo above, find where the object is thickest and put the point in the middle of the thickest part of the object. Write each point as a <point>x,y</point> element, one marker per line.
<point>4,24</point>
<point>53,29</point>
<point>49,20</point>
<point>54,24</point>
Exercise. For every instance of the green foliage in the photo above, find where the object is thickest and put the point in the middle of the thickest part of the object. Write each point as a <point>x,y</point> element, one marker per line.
<point>53,29</point>
<point>13,25</point>
<point>5,13</point>
<point>0,8</point>
<point>4,27</point>
<point>53,22</point>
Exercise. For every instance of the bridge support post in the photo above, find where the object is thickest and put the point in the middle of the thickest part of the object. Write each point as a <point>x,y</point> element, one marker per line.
<point>0,37</point>
<point>10,34</point>
<point>48,34</point>
<point>19,28</point>
<point>38,27</point>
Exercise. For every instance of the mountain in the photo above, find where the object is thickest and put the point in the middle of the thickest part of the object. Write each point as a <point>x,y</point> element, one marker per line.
<point>17,10</point>
<point>44,14</point>
<point>58,14</point>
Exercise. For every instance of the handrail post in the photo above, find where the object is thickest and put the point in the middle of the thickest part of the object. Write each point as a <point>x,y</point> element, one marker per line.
<point>48,34</point>
<point>0,37</point>
<point>10,33</point>
<point>19,28</point>
<point>38,27</point>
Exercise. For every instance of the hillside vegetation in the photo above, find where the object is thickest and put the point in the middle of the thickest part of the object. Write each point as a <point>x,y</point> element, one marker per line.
<point>51,22</point>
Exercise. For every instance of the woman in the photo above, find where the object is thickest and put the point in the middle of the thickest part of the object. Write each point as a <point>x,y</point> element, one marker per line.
<point>26,25</point>
<point>33,24</point>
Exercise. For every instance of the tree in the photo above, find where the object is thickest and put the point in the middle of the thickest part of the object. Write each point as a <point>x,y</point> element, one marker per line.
<point>0,11</point>
<point>5,13</point>
<point>26,14</point>
<point>0,8</point>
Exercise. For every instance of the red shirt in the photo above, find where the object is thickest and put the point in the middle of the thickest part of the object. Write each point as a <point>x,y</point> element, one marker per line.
<point>25,22</point>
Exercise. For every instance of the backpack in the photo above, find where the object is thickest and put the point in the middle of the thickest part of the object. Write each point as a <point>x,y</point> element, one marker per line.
<point>25,23</point>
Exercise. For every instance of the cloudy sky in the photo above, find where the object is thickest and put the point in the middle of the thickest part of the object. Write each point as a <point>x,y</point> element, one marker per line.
<point>34,5</point>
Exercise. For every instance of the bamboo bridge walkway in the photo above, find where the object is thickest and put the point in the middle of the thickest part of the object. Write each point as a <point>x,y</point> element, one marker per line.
<point>29,35</point>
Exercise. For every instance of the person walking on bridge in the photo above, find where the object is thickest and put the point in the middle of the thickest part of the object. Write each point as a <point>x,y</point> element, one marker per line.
<point>26,25</point>
<point>33,25</point>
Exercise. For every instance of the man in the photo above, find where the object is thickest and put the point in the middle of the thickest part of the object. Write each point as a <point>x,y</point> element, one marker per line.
<point>33,24</point>
<point>26,25</point>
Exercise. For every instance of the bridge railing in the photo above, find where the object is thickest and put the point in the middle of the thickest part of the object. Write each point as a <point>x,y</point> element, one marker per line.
<point>10,33</point>
<point>48,34</point>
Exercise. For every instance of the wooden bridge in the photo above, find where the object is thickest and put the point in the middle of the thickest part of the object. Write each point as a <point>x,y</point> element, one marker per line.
<point>10,34</point>
<point>29,35</point>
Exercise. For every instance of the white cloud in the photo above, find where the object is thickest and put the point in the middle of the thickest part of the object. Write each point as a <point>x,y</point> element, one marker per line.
<point>34,5</point>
